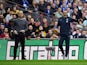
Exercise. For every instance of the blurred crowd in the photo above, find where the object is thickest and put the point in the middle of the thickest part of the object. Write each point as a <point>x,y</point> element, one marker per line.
<point>42,17</point>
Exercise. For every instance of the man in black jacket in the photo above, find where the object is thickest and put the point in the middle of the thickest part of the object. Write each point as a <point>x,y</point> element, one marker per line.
<point>64,23</point>
<point>19,27</point>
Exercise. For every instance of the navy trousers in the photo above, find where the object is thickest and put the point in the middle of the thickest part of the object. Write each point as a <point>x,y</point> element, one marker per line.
<point>67,41</point>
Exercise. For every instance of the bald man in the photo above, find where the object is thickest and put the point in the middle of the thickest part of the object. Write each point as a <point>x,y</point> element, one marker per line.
<point>19,27</point>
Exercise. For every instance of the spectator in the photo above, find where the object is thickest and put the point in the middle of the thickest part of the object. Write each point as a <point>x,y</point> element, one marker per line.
<point>58,13</point>
<point>32,22</point>
<point>29,19</point>
<point>80,5</point>
<point>41,6</point>
<point>77,13</point>
<point>1,18</point>
<point>85,5</point>
<point>48,10</point>
<point>74,5</point>
<point>55,25</point>
<point>15,10</point>
<point>53,7</point>
<point>74,24</point>
<point>77,33</point>
<point>8,9</point>
<point>30,33</point>
<point>9,16</point>
<point>57,3</point>
<point>64,6</point>
<point>34,6</point>
<point>46,28</point>
<point>83,34</point>
<point>41,32</point>
<point>2,31</point>
<point>69,12</point>
<point>6,34</point>
<point>2,10</point>
<point>50,34</point>
<point>85,23</point>
<point>4,23</point>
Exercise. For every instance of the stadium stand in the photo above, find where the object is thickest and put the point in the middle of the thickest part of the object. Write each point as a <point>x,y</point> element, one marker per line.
<point>42,17</point>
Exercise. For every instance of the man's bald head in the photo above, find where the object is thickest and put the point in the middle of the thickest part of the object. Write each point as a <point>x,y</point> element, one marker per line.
<point>20,14</point>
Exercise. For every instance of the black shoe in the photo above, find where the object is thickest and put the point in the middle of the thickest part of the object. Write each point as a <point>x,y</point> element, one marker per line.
<point>14,58</point>
<point>23,59</point>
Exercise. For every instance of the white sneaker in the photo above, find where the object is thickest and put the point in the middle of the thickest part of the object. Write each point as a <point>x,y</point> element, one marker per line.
<point>66,58</point>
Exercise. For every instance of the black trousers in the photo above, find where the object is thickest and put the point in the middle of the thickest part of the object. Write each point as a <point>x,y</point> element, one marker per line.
<point>19,38</point>
<point>67,41</point>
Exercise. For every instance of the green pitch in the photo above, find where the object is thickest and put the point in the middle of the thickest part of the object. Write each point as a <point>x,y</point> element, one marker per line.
<point>44,62</point>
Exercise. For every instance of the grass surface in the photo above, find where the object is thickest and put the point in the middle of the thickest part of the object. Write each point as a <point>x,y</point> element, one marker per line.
<point>44,62</point>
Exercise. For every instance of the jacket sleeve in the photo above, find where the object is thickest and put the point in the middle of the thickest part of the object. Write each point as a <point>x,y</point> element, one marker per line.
<point>26,26</point>
<point>13,21</point>
<point>59,22</point>
<point>73,20</point>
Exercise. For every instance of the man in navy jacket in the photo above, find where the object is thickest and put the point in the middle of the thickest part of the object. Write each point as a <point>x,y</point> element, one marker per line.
<point>64,23</point>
